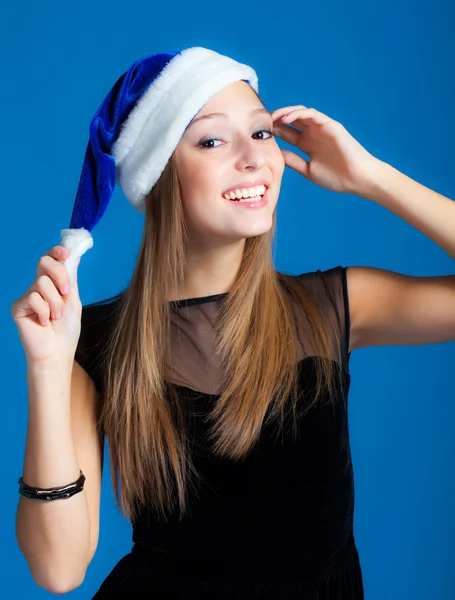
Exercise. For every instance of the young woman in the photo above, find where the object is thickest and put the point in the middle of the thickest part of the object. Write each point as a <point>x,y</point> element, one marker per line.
<point>220,384</point>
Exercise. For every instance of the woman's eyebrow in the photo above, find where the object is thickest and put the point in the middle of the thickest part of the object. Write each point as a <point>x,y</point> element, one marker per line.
<point>254,112</point>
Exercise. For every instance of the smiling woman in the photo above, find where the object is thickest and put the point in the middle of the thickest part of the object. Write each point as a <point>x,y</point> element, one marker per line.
<point>246,155</point>
<point>220,383</point>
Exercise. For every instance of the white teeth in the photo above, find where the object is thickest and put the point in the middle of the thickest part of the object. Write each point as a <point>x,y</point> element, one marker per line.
<point>245,193</point>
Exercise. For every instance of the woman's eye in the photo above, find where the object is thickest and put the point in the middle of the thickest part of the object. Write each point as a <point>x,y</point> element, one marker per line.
<point>203,143</point>
<point>266,131</point>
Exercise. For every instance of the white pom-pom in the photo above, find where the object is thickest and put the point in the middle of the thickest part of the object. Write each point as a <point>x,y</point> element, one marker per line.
<point>77,241</point>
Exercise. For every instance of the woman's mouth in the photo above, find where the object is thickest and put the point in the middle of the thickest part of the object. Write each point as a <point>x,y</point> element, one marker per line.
<point>257,201</point>
<point>251,194</point>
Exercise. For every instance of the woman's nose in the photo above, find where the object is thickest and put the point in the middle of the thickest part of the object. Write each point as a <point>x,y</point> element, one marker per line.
<point>251,155</point>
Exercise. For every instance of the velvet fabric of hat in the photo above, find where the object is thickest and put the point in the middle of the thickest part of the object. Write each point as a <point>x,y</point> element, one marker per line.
<point>137,128</point>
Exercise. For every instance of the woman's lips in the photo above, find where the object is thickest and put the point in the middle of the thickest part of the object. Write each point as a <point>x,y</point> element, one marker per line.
<point>251,204</point>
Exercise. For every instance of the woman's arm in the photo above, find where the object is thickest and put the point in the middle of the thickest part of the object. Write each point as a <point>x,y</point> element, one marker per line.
<point>58,538</point>
<point>389,308</point>
<point>386,308</point>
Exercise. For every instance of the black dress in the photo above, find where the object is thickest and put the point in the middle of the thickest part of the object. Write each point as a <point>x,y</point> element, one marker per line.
<point>278,524</point>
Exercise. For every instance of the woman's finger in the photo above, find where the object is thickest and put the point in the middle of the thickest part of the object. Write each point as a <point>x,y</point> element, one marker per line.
<point>306,116</point>
<point>294,136</point>
<point>297,163</point>
<point>40,307</point>
<point>46,287</point>
<point>279,112</point>
<point>56,271</point>
<point>58,252</point>
<point>288,134</point>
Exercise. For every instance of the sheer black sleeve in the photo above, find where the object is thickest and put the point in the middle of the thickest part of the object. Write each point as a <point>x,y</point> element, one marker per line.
<point>329,290</point>
<point>96,325</point>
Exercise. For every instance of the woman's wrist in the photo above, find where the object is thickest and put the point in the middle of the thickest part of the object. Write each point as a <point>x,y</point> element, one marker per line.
<point>53,370</point>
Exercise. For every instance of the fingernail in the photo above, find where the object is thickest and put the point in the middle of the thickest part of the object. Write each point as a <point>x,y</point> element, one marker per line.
<point>62,251</point>
<point>66,289</point>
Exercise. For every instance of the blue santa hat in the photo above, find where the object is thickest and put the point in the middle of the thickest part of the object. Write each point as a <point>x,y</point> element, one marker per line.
<point>137,128</point>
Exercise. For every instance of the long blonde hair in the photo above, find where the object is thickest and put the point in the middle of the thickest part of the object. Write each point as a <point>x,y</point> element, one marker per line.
<point>255,340</point>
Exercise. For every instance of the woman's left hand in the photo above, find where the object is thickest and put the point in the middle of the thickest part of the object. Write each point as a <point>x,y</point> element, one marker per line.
<point>337,161</point>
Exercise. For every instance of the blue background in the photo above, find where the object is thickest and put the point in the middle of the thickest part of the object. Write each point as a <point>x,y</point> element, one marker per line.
<point>386,70</point>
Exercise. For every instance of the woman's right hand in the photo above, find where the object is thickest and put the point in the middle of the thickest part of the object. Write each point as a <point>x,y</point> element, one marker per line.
<point>49,340</point>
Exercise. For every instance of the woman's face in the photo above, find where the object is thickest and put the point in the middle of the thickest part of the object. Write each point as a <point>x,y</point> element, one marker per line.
<point>218,154</point>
